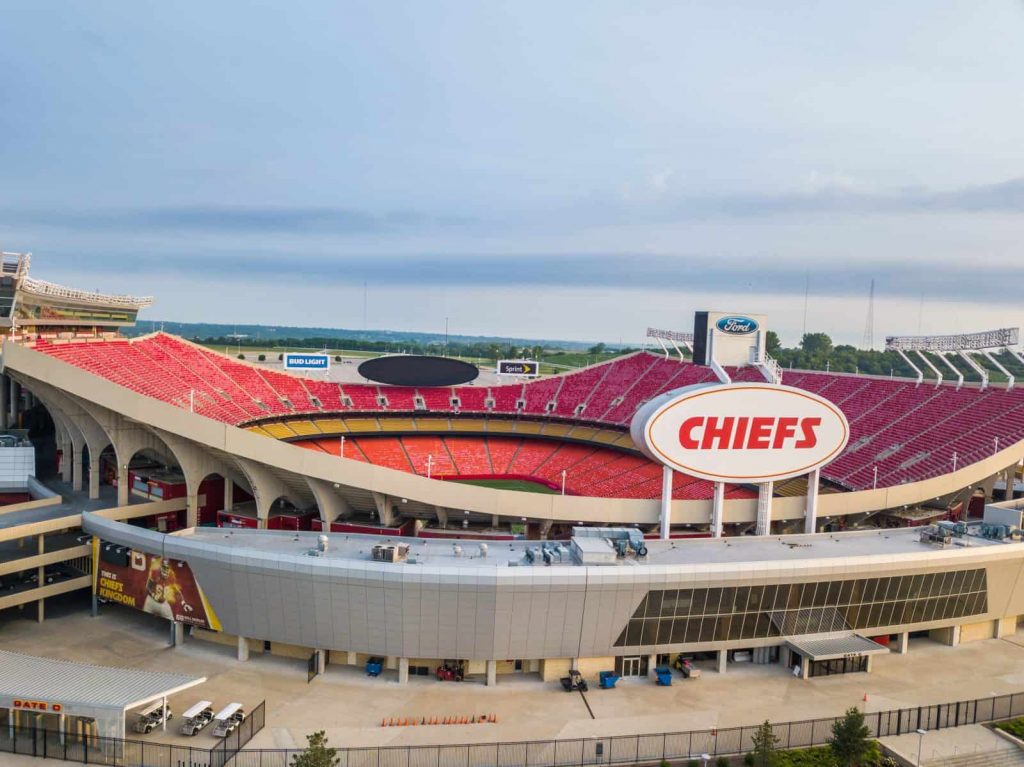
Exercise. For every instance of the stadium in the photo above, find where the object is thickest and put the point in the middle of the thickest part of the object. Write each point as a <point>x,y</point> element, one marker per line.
<point>504,524</point>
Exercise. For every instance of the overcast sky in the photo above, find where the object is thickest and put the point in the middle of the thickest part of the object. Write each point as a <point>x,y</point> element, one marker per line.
<point>565,170</point>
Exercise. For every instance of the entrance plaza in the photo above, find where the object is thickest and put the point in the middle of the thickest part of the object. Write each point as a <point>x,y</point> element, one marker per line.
<point>350,706</point>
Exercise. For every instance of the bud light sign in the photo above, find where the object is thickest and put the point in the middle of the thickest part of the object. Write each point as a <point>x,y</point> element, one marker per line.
<point>737,326</point>
<point>307,362</point>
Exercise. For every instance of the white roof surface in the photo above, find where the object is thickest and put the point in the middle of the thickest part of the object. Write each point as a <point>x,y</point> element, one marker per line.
<point>68,683</point>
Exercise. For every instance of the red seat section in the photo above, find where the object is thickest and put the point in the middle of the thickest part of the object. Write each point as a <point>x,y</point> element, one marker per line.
<point>899,432</point>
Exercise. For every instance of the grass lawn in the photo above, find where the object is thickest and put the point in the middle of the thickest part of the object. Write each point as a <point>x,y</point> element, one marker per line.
<point>508,484</point>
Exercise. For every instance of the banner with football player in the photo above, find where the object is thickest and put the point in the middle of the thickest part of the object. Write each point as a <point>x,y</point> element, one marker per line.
<point>154,584</point>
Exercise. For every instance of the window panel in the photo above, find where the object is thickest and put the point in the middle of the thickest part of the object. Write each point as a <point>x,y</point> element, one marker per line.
<point>867,592</point>
<point>846,592</point>
<point>903,587</point>
<point>699,598</point>
<point>714,600</point>
<point>649,633</point>
<point>654,599</point>
<point>754,596</point>
<point>679,630</point>
<point>728,604</point>
<point>665,631</point>
<point>692,630</point>
<point>633,632</point>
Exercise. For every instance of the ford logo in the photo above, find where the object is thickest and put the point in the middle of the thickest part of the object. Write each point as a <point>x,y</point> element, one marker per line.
<point>737,326</point>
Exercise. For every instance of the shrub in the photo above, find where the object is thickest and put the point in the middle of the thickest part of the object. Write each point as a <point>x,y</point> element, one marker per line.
<point>692,763</point>
<point>262,358</point>
<point>722,761</point>
<point>850,744</point>
<point>337,358</point>
<point>280,357</point>
<point>241,356</point>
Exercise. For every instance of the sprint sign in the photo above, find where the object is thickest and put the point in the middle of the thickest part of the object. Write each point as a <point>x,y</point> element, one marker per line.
<point>745,432</point>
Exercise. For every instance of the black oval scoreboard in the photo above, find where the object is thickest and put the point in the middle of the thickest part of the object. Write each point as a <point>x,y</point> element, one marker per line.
<point>418,370</point>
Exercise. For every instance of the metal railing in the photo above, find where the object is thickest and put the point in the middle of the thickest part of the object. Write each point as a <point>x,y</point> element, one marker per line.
<point>622,749</point>
<point>651,749</point>
<point>41,742</point>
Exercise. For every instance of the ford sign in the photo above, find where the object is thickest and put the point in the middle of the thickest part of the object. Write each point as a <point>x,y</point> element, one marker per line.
<point>307,362</point>
<point>737,326</point>
<point>747,432</point>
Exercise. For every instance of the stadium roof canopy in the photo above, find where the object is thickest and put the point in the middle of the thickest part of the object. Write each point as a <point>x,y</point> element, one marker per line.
<point>834,646</point>
<point>82,689</point>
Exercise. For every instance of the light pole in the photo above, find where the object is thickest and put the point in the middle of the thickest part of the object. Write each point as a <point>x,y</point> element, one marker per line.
<point>874,482</point>
<point>563,481</point>
<point>705,758</point>
<point>341,448</point>
<point>430,465</point>
<point>996,440</point>
<point>954,460</point>
<point>920,742</point>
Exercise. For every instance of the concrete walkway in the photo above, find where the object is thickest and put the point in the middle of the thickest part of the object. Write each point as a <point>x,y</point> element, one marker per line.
<point>350,705</point>
<point>957,745</point>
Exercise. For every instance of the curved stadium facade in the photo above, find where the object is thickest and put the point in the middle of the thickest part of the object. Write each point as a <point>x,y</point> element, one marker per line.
<point>400,463</point>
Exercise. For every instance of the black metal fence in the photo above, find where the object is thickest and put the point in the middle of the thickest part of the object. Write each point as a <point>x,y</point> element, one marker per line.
<point>623,749</point>
<point>42,742</point>
<point>650,749</point>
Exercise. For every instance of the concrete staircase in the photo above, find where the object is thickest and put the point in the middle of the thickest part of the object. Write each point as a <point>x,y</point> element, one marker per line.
<point>1000,758</point>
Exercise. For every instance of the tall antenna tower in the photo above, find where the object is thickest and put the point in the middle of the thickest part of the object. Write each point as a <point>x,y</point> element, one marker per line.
<point>869,325</point>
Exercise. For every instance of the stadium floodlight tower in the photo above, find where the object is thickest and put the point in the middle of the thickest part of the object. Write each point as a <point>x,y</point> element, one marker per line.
<point>962,344</point>
<point>672,336</point>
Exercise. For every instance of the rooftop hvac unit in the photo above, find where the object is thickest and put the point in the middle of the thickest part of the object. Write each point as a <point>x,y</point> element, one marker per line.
<point>394,552</point>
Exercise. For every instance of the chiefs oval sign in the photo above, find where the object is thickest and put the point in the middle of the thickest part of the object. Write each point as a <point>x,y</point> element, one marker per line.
<point>745,432</point>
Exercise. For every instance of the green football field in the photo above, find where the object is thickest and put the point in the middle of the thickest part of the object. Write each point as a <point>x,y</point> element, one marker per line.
<point>509,484</point>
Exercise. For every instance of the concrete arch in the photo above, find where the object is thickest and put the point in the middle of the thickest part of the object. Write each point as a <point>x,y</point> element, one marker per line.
<point>267,488</point>
<point>331,505</point>
<point>78,433</point>
<point>196,464</point>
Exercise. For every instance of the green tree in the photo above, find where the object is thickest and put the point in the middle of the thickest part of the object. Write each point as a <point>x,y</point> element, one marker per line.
<point>850,743</point>
<point>772,342</point>
<point>597,348</point>
<point>317,753</point>
<point>816,344</point>
<point>765,741</point>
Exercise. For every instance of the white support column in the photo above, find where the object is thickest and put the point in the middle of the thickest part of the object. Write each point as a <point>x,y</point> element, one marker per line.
<point>77,468</point>
<point>723,660</point>
<point>492,673</point>
<point>122,485</point>
<point>4,391</point>
<point>717,509</point>
<point>67,458</point>
<point>243,648</point>
<point>982,373</point>
<point>1001,368</point>
<point>94,477</point>
<point>956,373</point>
<point>321,661</point>
<point>903,643</point>
<point>384,513</point>
<point>666,501</point>
<point>177,634</point>
<point>652,663</point>
<point>403,670</point>
<point>163,704</point>
<point>764,508</point>
<point>811,515</point>
<point>192,510</point>
<point>229,494</point>
<point>916,369</point>
<point>805,667</point>
<point>928,362</point>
